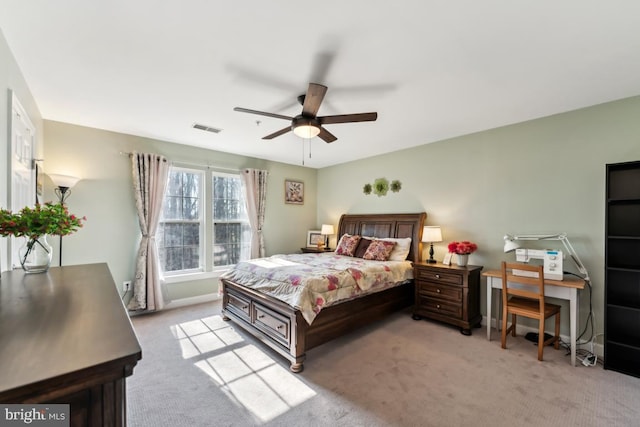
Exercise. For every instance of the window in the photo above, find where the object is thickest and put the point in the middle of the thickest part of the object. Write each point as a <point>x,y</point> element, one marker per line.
<point>202,210</point>
<point>231,229</point>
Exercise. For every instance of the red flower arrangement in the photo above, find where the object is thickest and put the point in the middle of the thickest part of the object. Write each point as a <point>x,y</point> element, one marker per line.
<point>462,248</point>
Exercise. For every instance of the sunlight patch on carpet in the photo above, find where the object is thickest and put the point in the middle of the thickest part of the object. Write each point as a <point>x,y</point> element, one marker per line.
<point>255,381</point>
<point>205,335</point>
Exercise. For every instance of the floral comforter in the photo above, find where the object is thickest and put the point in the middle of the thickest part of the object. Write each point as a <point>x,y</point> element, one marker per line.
<point>312,281</point>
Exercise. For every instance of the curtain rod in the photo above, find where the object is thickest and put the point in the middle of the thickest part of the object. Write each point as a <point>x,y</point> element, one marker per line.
<point>200,165</point>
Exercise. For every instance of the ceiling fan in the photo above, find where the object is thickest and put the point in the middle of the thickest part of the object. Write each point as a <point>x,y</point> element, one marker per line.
<point>308,124</point>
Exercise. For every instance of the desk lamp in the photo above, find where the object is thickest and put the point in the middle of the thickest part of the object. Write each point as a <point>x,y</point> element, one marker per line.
<point>431,234</point>
<point>510,244</point>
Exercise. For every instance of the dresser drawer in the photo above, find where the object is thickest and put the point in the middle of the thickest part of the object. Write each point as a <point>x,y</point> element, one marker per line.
<point>432,275</point>
<point>444,308</point>
<point>443,292</point>
<point>274,324</point>
<point>238,304</point>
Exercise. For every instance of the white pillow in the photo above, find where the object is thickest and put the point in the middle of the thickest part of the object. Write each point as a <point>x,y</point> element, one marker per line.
<point>401,249</point>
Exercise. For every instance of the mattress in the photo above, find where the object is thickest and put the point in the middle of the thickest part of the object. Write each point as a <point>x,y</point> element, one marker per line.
<point>311,281</point>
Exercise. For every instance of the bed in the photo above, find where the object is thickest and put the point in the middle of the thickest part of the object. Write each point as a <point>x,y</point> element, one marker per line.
<point>284,328</point>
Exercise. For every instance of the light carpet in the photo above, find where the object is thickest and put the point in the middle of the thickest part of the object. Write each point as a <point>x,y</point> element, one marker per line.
<point>198,370</point>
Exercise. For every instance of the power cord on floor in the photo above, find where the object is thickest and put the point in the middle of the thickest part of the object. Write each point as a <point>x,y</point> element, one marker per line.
<point>586,357</point>
<point>590,317</point>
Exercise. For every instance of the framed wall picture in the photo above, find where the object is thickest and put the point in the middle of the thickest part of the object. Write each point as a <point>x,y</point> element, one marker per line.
<point>293,192</point>
<point>313,237</point>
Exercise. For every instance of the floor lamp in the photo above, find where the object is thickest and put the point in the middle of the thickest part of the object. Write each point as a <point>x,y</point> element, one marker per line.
<point>63,185</point>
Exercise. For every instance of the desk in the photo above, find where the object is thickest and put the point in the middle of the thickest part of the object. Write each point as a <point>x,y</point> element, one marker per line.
<point>566,289</point>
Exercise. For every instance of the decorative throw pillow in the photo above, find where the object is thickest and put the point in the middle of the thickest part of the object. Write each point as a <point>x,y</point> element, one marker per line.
<point>401,250</point>
<point>362,246</point>
<point>347,245</point>
<point>379,250</point>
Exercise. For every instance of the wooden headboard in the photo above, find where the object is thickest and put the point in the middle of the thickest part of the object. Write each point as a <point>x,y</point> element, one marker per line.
<point>387,225</point>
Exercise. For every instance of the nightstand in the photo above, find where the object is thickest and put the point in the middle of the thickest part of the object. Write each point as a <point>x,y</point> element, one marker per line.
<point>448,293</point>
<point>315,250</point>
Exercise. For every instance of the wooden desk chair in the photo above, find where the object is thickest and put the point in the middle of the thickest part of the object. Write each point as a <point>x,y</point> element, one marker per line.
<point>528,302</point>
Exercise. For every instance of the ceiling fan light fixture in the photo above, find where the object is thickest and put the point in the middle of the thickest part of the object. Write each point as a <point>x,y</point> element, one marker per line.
<point>306,131</point>
<point>305,127</point>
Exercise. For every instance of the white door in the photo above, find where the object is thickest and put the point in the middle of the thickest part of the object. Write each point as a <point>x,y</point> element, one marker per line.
<point>23,175</point>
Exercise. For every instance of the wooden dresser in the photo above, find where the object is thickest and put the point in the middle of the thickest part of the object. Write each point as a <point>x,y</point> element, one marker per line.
<point>65,337</point>
<point>449,294</point>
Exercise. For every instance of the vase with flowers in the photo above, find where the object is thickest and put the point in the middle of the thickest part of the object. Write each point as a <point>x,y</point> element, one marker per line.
<point>462,250</point>
<point>35,223</point>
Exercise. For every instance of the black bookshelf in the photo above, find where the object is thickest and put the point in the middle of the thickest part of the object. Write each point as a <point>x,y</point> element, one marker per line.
<point>622,268</point>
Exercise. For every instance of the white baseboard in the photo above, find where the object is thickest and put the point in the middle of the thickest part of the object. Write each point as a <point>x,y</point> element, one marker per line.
<point>193,300</point>
<point>598,349</point>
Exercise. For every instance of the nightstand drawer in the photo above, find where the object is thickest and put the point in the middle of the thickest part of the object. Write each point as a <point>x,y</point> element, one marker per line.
<point>272,323</point>
<point>444,292</point>
<point>450,309</point>
<point>436,276</point>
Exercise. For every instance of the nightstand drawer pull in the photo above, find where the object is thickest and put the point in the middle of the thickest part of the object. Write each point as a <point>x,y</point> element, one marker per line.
<point>438,306</point>
<point>451,278</point>
<point>438,290</point>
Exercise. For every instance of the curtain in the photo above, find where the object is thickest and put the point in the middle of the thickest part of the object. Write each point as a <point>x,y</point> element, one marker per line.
<point>255,184</point>
<point>150,174</point>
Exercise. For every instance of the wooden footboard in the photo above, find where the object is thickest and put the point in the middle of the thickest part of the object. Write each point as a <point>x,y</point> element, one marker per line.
<point>283,328</point>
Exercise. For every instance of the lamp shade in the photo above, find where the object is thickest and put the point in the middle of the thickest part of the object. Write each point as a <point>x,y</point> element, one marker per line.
<point>63,180</point>
<point>510,244</point>
<point>432,234</point>
<point>326,230</point>
<point>306,131</point>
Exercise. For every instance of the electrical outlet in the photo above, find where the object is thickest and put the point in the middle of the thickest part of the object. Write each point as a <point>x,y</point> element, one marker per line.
<point>126,285</point>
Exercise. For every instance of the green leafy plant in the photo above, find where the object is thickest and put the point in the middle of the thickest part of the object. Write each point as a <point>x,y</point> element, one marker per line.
<point>36,222</point>
<point>395,185</point>
<point>44,219</point>
<point>366,189</point>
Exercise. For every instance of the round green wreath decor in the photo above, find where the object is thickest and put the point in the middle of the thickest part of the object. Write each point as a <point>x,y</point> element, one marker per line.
<point>381,186</point>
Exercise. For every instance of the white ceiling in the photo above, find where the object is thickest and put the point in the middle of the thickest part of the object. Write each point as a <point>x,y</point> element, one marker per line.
<point>431,69</point>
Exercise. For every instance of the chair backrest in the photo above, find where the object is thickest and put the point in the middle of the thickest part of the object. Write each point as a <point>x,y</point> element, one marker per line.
<point>535,285</point>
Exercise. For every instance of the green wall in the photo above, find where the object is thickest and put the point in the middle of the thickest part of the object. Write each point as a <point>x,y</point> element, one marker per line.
<point>105,196</point>
<point>540,176</point>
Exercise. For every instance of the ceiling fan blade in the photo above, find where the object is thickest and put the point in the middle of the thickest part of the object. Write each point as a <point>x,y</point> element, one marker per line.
<point>278,133</point>
<point>262,113</point>
<point>321,64</point>
<point>326,136</point>
<point>313,98</point>
<point>348,118</point>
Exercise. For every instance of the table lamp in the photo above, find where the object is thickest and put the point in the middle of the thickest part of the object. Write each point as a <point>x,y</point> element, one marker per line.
<point>431,234</point>
<point>326,231</point>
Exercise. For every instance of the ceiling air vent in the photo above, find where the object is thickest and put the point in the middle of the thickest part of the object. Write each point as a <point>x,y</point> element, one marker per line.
<point>206,128</point>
